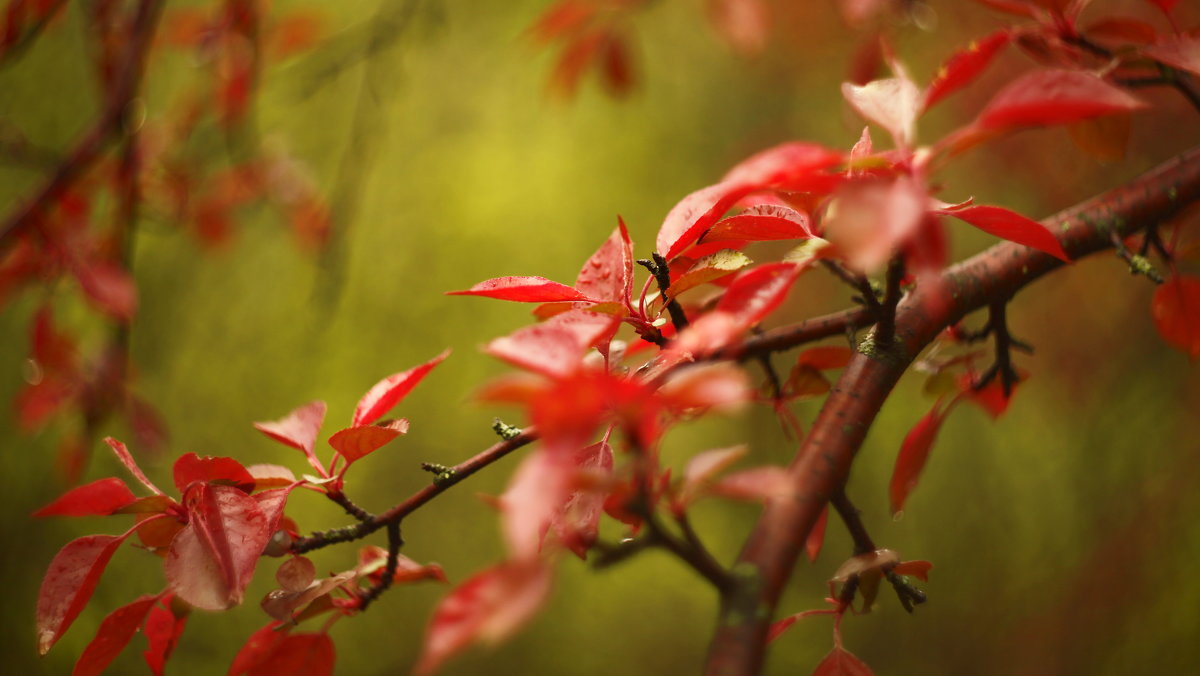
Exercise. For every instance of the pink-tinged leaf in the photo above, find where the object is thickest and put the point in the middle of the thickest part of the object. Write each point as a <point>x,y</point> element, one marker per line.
<point>113,635</point>
<point>991,398</point>
<point>964,66</point>
<point>258,648</point>
<point>272,503</point>
<point>816,536</point>
<point>537,492</point>
<point>36,404</point>
<point>893,103</point>
<point>702,470</point>
<point>522,289</point>
<point>756,293</point>
<point>608,274</point>
<point>191,468</point>
<point>489,607</point>
<point>126,459</point>
<point>270,476</point>
<point>796,166</point>
<point>556,347</point>
<point>356,442</point>
<point>99,498</point>
<point>695,214</point>
<point>1182,52</point>
<point>825,357</point>
<point>210,561</point>
<point>373,559</point>
<point>870,222</point>
<point>390,391</point>
<point>1048,97</point>
<point>913,454</point>
<point>163,629</point>
<point>282,604</point>
<point>1012,226</point>
<point>296,574</point>
<point>722,387</point>
<point>1176,311</point>
<point>576,524</point>
<point>298,655</point>
<point>743,24</point>
<point>757,484</point>
<point>69,583</point>
<point>298,429</point>
<point>841,663</point>
<point>109,288</point>
<point>917,569</point>
<point>765,222</point>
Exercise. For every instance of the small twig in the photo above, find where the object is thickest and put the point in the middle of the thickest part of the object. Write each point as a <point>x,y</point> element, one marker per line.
<point>661,271</point>
<point>395,542</point>
<point>852,517</point>
<point>351,508</point>
<point>886,327</point>
<point>1138,263</point>
<point>998,326</point>
<point>867,295</point>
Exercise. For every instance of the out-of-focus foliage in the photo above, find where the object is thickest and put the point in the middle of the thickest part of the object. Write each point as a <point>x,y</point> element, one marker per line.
<point>1064,533</point>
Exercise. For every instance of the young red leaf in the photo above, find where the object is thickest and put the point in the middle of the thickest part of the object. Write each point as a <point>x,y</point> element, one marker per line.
<point>756,293</point>
<point>99,498</point>
<point>537,492</point>
<point>695,214</point>
<point>1012,226</point>
<point>356,442</point>
<point>109,288</point>
<point>758,484</point>
<point>577,522</point>
<point>964,66</point>
<point>210,561</point>
<point>271,476</point>
<point>608,274</point>
<point>69,583</point>
<point>113,635</point>
<point>816,536</point>
<point>765,222</point>
<point>258,648</point>
<point>701,471</point>
<point>719,386</point>
<point>489,607</point>
<point>841,663</point>
<point>163,629</point>
<point>913,454</point>
<point>298,429</point>
<point>126,459</point>
<point>1049,97</point>
<point>190,468</point>
<point>522,289</point>
<point>1182,52</point>
<point>1176,311</point>
<point>796,166</point>
<point>390,391</point>
<point>892,103</point>
<point>373,559</point>
<point>554,348</point>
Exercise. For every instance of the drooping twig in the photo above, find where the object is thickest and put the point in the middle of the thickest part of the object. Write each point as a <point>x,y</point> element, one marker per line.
<point>661,271</point>
<point>395,542</point>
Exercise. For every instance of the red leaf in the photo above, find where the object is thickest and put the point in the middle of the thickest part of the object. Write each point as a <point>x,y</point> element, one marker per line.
<point>298,655</point>
<point>258,648</point>
<point>760,223</point>
<point>69,583</point>
<point>577,522</point>
<point>825,357</point>
<point>1176,311</point>
<point>579,52</point>
<point>870,221</point>
<point>608,274</point>
<point>390,391</point>
<point>1181,52</point>
<point>36,404</point>
<point>536,493</point>
<point>210,561</point>
<point>272,503</point>
<point>796,166</point>
<point>271,476</point>
<point>489,607</point>
<point>695,214</point>
<point>126,459</point>
<point>1049,97</point>
<point>522,289</point>
<point>1122,29</point>
<point>356,442</point>
<point>1012,226</point>
<point>759,484</point>
<point>99,498</point>
<point>554,348</point>
<point>112,636</point>
<point>53,351</point>
<point>110,288</point>
<point>841,663</point>
<point>298,429</point>
<point>913,454</point>
<point>190,468</point>
<point>816,536</point>
<point>964,66</point>
<point>1165,5</point>
<point>163,629</point>
<point>743,24</point>
<point>892,103</point>
<point>917,569</point>
<point>756,293</point>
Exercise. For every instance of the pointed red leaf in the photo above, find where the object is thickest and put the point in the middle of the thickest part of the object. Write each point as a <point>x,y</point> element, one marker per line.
<point>298,429</point>
<point>578,520</point>
<point>109,288</point>
<point>743,24</point>
<point>964,66</point>
<point>913,454</point>
<point>765,222</point>
<point>69,583</point>
<point>208,469</point>
<point>390,391</point>
<point>722,386</point>
<point>489,607</point>
<point>816,536</point>
<point>536,493</point>
<point>54,351</point>
<point>126,459</point>
<point>99,498</point>
<point>695,214</point>
<point>1049,97</point>
<point>258,648</point>
<point>271,476</point>
<point>1182,52</point>
<point>36,404</point>
<point>841,663</point>
<point>1012,226</point>
<point>113,635</point>
<point>210,561</point>
<point>756,293</point>
<point>608,274</point>
<point>356,442</point>
<point>797,166</point>
<point>522,289</point>
<point>272,503</point>
<point>556,347</point>
<point>1176,311</point>
<point>917,569</point>
<point>892,103</point>
<point>163,629</point>
<point>757,484</point>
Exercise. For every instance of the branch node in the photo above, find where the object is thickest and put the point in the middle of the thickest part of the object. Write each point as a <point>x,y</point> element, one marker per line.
<point>504,430</point>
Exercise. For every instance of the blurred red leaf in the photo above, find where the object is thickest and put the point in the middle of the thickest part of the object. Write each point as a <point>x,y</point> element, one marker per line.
<point>391,390</point>
<point>761,223</point>
<point>913,454</point>
<point>308,654</point>
<point>298,429</point>
<point>554,348</point>
<point>163,629</point>
<point>578,519</point>
<point>1176,311</point>
<point>759,484</point>
<point>815,539</point>
<point>1012,226</point>
<point>756,293</point>
<point>743,24</point>
<point>616,65</point>
<point>536,493</point>
<point>892,103</point>
<point>522,289</point>
<point>1181,52</point>
<point>69,583</point>
<point>258,648</point>
<point>109,288</point>
<point>113,635</point>
<point>99,498</point>
<point>841,663</point>
<point>1048,97</point>
<point>964,66</point>
<point>796,166</point>
<point>825,357</point>
<point>126,459</point>
<point>702,470</point>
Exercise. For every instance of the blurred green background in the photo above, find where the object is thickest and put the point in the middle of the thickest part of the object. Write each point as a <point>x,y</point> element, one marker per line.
<point>1062,536</point>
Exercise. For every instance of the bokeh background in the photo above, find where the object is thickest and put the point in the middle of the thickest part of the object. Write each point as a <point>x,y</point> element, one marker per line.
<point>1064,536</point>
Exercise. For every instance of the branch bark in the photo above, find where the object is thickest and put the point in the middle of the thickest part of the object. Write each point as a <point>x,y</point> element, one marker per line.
<point>822,464</point>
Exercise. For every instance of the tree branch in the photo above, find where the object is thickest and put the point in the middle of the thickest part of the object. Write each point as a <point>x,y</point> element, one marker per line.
<point>823,462</point>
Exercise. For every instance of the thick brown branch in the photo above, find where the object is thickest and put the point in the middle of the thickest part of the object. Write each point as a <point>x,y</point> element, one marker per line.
<point>822,463</point>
